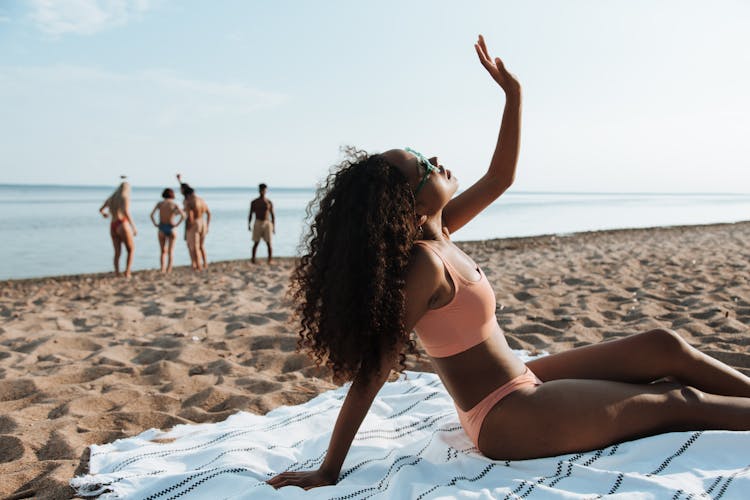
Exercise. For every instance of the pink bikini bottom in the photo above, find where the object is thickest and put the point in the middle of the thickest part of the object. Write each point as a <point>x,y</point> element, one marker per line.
<point>472,419</point>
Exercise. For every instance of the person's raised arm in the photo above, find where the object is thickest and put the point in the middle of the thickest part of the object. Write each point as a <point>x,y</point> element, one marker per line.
<point>502,169</point>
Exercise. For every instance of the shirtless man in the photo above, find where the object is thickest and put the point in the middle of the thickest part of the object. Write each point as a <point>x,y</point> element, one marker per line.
<point>265,221</point>
<point>167,209</point>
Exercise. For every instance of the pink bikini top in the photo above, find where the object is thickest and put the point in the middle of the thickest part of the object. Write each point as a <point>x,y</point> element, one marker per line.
<point>467,320</point>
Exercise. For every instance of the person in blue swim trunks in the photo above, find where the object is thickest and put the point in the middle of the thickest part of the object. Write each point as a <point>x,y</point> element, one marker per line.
<point>168,210</point>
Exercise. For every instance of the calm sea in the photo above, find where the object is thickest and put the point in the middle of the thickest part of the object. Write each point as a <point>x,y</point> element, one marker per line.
<point>55,230</point>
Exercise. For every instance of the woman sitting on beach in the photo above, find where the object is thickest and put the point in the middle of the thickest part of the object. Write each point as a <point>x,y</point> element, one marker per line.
<point>167,209</point>
<point>380,263</point>
<point>121,228</point>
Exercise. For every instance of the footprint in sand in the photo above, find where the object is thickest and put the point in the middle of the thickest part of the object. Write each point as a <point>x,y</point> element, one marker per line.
<point>56,448</point>
<point>7,424</point>
<point>523,296</point>
<point>588,322</point>
<point>295,362</point>
<point>231,327</point>
<point>130,422</point>
<point>148,356</point>
<point>166,342</point>
<point>708,313</point>
<point>215,399</point>
<point>151,309</point>
<point>257,320</point>
<point>11,390</point>
<point>277,315</point>
<point>284,343</point>
<point>537,328</point>
<point>258,386</point>
<point>19,345</point>
<point>220,367</point>
<point>11,448</point>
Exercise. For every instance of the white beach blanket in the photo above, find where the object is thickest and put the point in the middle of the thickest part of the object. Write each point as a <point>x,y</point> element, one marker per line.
<point>410,446</point>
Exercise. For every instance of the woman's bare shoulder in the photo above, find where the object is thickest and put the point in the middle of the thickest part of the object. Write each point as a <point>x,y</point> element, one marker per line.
<point>425,268</point>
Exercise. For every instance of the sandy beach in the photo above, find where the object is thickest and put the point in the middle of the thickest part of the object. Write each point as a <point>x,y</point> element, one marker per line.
<point>93,358</point>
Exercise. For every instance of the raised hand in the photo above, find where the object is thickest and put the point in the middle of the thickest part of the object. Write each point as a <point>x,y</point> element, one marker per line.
<point>496,68</point>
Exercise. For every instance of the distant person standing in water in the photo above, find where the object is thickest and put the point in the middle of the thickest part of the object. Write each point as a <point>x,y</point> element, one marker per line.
<point>265,221</point>
<point>196,228</point>
<point>167,209</point>
<point>121,228</point>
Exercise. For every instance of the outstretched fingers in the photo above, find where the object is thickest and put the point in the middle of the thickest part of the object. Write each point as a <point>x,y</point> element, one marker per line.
<point>482,52</point>
<point>483,45</point>
<point>495,67</point>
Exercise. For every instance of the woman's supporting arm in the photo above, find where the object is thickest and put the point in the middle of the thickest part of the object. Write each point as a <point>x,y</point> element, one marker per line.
<point>353,411</point>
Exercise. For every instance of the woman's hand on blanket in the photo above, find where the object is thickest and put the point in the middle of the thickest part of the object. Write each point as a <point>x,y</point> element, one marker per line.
<point>496,68</point>
<point>305,480</point>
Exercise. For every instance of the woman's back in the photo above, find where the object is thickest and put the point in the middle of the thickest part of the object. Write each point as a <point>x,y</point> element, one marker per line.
<point>117,203</point>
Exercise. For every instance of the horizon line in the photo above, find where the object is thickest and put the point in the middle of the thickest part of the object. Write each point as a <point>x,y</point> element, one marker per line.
<point>313,188</point>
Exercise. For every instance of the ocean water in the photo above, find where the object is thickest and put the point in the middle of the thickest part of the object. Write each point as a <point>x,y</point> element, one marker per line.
<point>57,230</point>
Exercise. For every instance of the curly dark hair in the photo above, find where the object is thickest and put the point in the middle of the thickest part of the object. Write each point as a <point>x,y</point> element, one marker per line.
<point>348,286</point>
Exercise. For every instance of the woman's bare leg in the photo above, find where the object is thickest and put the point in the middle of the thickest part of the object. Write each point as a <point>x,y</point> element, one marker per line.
<point>170,251</point>
<point>126,235</point>
<point>163,254</point>
<point>202,246</point>
<point>566,416</point>
<point>644,358</point>
<point>192,243</point>
<point>204,257</point>
<point>118,249</point>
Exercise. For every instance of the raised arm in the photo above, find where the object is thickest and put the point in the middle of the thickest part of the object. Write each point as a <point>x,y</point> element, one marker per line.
<point>502,169</point>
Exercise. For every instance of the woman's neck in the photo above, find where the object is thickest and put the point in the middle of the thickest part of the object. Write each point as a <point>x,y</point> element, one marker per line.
<point>432,229</point>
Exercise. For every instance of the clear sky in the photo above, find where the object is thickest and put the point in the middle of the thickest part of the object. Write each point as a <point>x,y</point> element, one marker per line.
<point>626,95</point>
